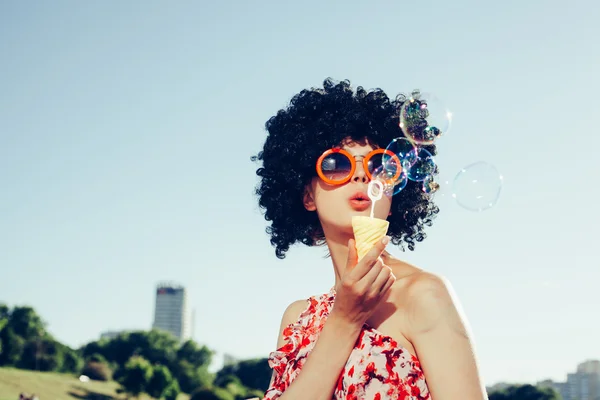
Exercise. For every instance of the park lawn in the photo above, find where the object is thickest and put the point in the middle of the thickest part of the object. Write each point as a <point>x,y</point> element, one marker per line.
<point>55,386</point>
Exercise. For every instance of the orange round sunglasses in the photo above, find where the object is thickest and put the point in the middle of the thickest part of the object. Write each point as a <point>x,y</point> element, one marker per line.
<point>336,166</point>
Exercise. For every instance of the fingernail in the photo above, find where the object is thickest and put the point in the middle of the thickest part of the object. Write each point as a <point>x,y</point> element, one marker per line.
<point>386,240</point>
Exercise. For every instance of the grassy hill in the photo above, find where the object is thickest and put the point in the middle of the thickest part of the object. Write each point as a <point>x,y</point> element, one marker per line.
<point>53,386</point>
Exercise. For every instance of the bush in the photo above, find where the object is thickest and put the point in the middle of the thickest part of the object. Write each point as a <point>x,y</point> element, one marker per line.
<point>97,371</point>
<point>159,382</point>
<point>172,391</point>
<point>214,393</point>
<point>254,373</point>
<point>254,393</point>
<point>136,375</point>
<point>224,380</point>
<point>72,361</point>
<point>191,377</point>
<point>96,357</point>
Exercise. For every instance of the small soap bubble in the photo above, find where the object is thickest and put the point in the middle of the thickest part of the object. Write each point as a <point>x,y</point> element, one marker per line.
<point>430,186</point>
<point>424,118</point>
<point>477,186</point>
<point>423,167</point>
<point>393,180</point>
<point>402,148</point>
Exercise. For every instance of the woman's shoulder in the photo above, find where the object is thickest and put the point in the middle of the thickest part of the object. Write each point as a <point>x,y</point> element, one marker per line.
<point>425,297</point>
<point>415,279</point>
<point>299,308</point>
<point>294,310</point>
<point>299,314</point>
<point>290,316</point>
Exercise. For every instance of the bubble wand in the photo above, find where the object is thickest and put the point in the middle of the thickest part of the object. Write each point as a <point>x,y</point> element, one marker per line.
<point>369,230</point>
<point>374,195</point>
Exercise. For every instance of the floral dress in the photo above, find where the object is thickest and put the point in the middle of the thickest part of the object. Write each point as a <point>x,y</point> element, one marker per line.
<point>378,368</point>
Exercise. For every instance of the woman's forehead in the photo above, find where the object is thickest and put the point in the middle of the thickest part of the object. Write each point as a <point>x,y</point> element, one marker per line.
<point>352,145</point>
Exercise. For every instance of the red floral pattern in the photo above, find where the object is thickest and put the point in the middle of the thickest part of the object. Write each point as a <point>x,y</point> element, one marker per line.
<point>378,368</point>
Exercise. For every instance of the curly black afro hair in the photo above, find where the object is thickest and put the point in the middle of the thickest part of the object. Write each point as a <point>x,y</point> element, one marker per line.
<point>316,120</point>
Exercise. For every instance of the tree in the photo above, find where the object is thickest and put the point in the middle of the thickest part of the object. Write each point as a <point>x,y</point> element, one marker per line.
<point>234,385</point>
<point>136,375</point>
<point>525,392</point>
<point>191,368</point>
<point>215,393</point>
<point>158,346</point>
<point>72,361</point>
<point>172,391</point>
<point>155,346</point>
<point>254,373</point>
<point>4,316</point>
<point>188,362</point>
<point>252,393</point>
<point>194,354</point>
<point>192,377</point>
<point>96,348</point>
<point>12,346</point>
<point>160,381</point>
<point>17,327</point>
<point>25,323</point>
<point>4,311</point>
<point>96,357</point>
<point>43,354</point>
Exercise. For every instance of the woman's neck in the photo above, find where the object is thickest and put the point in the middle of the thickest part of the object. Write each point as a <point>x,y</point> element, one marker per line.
<point>338,250</point>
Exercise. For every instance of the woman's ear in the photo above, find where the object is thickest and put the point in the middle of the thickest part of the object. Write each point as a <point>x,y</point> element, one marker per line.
<point>308,199</point>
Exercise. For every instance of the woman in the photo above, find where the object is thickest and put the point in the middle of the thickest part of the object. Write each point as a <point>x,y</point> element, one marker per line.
<point>387,329</point>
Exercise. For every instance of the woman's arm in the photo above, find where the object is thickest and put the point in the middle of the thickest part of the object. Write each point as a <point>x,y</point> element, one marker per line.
<point>290,315</point>
<point>325,363</point>
<point>363,285</point>
<point>443,342</point>
<point>326,360</point>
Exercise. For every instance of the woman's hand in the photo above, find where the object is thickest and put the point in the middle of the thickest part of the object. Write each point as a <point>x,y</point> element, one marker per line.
<point>363,285</point>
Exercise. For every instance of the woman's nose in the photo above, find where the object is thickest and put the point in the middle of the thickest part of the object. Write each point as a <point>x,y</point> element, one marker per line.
<point>360,175</point>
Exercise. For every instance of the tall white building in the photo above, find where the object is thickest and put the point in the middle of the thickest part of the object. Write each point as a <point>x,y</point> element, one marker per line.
<point>171,311</point>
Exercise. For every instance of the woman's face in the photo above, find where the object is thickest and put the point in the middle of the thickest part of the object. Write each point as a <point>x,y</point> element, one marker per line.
<point>336,205</point>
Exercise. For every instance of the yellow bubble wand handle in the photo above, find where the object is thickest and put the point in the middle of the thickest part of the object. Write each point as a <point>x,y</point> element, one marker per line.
<point>374,194</point>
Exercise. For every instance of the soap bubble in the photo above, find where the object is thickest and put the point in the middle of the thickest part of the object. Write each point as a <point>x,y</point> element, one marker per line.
<point>423,166</point>
<point>430,186</point>
<point>477,186</point>
<point>424,118</point>
<point>393,180</point>
<point>403,149</point>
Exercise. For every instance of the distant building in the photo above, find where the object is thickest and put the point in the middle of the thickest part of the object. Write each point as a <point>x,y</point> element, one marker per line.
<point>110,334</point>
<point>583,384</point>
<point>589,367</point>
<point>170,312</point>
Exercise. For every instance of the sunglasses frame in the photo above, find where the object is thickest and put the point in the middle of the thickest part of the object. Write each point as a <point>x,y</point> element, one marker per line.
<point>352,159</point>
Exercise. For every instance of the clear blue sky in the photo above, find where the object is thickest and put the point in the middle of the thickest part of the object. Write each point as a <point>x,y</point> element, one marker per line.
<point>126,130</point>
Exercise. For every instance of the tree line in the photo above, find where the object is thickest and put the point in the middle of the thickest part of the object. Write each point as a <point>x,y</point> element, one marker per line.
<point>152,362</point>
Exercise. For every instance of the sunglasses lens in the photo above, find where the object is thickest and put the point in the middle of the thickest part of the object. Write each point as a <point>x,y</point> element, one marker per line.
<point>336,167</point>
<point>375,162</point>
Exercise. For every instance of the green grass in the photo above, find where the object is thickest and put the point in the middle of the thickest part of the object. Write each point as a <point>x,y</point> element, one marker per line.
<point>54,386</point>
